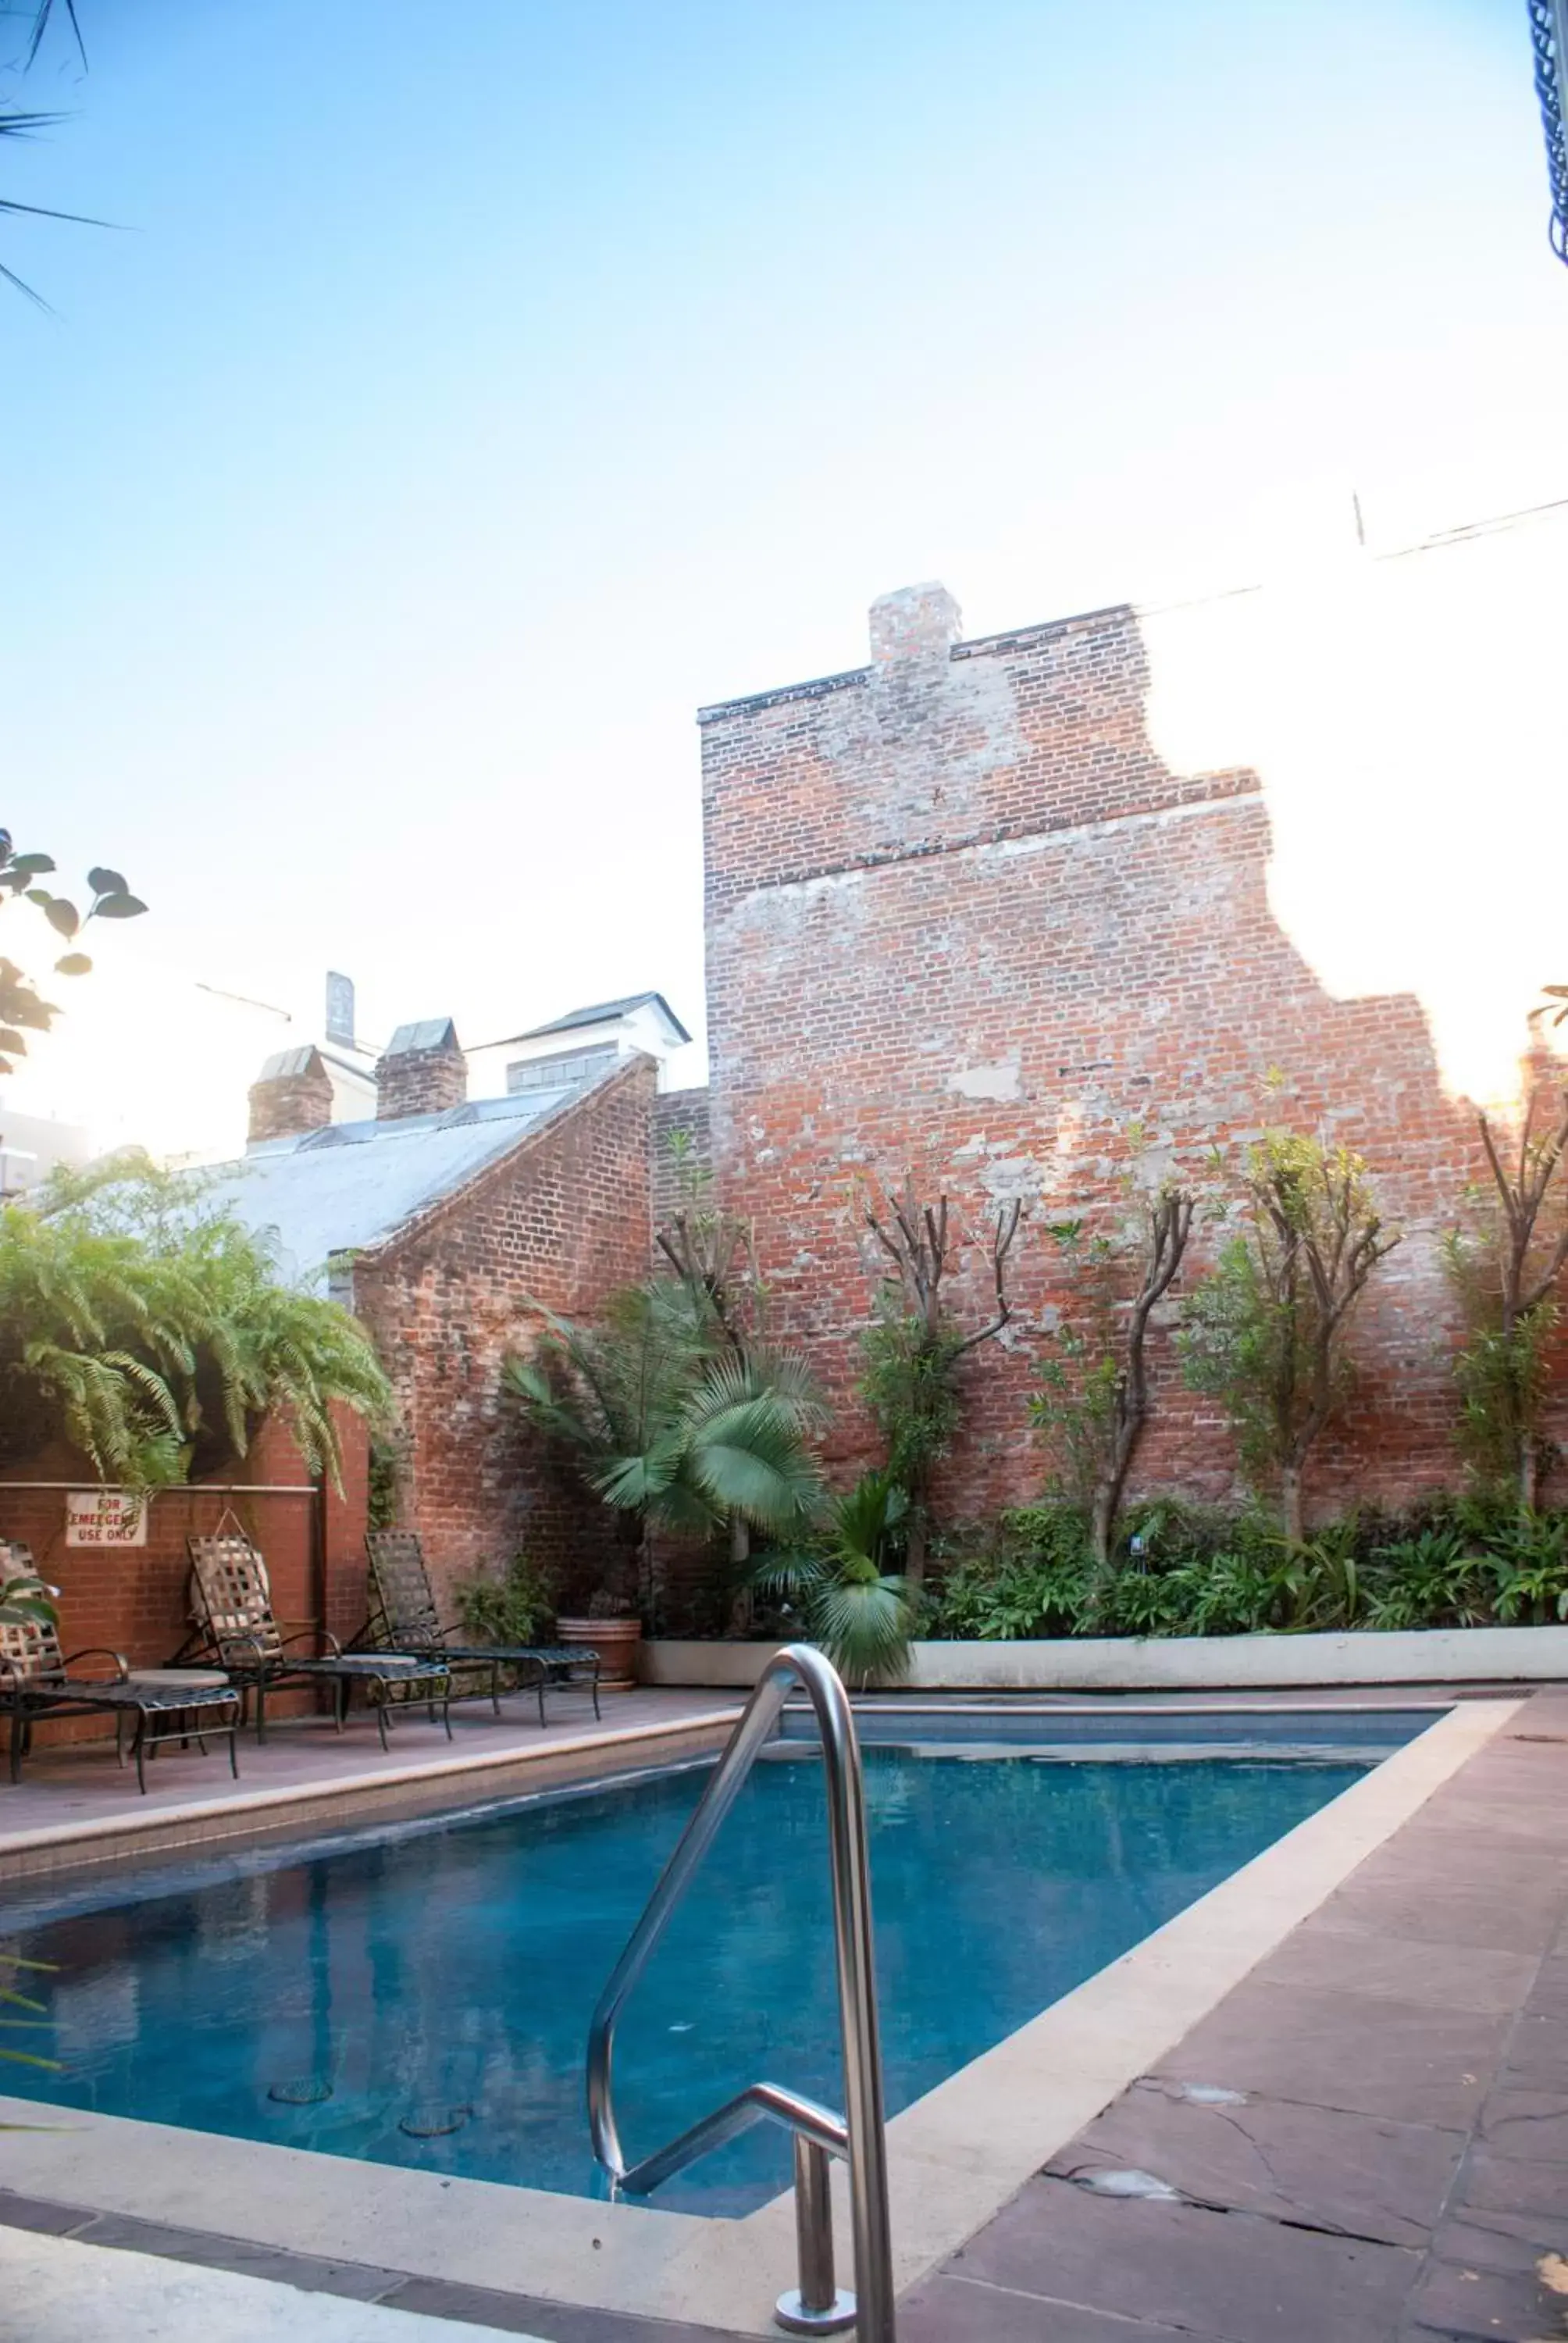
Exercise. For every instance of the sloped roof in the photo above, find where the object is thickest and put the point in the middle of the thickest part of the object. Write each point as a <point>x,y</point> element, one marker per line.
<point>298,1061</point>
<point>427,1034</point>
<point>601,1012</point>
<point>354,1184</point>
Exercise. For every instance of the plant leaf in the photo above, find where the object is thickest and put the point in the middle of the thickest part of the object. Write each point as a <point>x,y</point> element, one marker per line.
<point>74,964</point>
<point>62,916</point>
<point>119,907</point>
<point>104,881</point>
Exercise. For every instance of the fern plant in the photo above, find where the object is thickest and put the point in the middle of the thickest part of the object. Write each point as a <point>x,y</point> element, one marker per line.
<point>152,1332</point>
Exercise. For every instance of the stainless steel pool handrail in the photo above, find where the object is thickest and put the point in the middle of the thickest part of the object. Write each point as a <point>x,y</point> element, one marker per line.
<point>859,2135</point>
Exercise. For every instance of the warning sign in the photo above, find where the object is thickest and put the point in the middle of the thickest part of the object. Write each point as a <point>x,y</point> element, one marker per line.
<point>104,1517</point>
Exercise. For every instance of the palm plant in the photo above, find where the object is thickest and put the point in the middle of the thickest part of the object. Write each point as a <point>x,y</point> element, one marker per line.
<point>668,1423</point>
<point>861,1613</point>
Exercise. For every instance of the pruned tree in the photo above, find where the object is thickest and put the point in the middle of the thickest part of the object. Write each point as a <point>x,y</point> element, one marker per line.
<point>712,1252</point>
<point>1094,1401</point>
<point>1505,1274</point>
<point>913,1347</point>
<point>1264,1331</point>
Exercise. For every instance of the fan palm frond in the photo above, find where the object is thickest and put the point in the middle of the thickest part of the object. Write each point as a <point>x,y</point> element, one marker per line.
<point>666,1417</point>
<point>863,1625</point>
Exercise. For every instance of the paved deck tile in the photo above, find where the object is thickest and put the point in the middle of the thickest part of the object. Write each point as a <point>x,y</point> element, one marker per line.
<point>1495,2183</point>
<point>958,2310</point>
<point>79,1788</point>
<point>1316,2166</point>
<point>1502,2306</point>
<point>1230,2276</point>
<point>1451,1976</point>
<point>1409,2062</point>
<point>1393,2168</point>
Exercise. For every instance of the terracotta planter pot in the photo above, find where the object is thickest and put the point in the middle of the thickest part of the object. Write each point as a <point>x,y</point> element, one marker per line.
<point>615,1641</point>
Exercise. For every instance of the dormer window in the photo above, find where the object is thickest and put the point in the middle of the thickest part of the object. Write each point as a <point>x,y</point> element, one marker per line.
<point>559,1071</point>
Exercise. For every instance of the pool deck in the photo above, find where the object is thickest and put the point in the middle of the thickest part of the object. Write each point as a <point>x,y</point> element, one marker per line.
<point>74,1805</point>
<point>1342,2106</point>
<point>1367,2138</point>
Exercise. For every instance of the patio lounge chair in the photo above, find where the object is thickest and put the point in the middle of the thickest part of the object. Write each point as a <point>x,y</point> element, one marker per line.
<point>232,1605</point>
<point>37,1678</point>
<point>404,1616</point>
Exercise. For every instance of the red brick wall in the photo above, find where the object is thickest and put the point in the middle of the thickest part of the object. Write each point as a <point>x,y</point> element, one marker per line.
<point>132,1600</point>
<point>960,916</point>
<point>560,1222</point>
<point>686,1113</point>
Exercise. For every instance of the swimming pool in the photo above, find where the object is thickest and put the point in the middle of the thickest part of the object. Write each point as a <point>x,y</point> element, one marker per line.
<point>421,1996</point>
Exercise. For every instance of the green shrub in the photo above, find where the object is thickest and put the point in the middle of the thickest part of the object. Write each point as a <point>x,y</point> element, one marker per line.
<point>516,1608</point>
<point>1185,1570</point>
<point>147,1327</point>
<point>843,1585</point>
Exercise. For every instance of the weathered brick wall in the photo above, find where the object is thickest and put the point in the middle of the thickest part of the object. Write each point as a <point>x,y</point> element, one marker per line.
<point>133,1599</point>
<point>559,1224</point>
<point>962,917</point>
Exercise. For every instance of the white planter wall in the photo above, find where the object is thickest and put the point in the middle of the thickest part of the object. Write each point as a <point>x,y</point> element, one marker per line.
<point>1175,1663</point>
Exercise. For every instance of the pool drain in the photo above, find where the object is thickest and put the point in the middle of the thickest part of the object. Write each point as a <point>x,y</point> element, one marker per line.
<point>434,2123</point>
<point>309,2091</point>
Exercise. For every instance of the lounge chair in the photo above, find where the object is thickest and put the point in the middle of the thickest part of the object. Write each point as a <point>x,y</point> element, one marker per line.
<point>404,1617</point>
<point>232,1606</point>
<point>37,1678</point>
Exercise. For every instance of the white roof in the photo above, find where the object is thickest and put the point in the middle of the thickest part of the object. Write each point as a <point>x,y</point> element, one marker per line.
<point>354,1184</point>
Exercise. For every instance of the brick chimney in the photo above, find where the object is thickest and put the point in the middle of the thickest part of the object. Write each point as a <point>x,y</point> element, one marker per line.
<point>424,1072</point>
<point>293,1095</point>
<point>919,622</point>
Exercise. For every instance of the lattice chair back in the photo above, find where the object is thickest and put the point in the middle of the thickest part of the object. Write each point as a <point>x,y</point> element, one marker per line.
<point>28,1647</point>
<point>404,1601</point>
<point>234,1598</point>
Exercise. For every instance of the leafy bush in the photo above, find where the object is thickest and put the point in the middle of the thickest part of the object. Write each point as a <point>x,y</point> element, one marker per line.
<point>1192,1571</point>
<point>516,1608</point>
<point>150,1329</point>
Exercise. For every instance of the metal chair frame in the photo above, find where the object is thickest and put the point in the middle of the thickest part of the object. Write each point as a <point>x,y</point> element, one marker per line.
<point>234,1622</point>
<point>404,1616</point>
<point>36,1681</point>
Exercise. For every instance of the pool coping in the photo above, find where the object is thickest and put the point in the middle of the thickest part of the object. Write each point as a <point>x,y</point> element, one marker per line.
<point>392,1789</point>
<point>955,2156</point>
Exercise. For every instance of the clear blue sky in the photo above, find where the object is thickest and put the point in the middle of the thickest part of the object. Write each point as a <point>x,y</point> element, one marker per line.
<point>472,391</point>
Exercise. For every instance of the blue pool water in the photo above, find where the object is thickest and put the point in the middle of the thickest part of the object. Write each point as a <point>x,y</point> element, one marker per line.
<point>445,1974</point>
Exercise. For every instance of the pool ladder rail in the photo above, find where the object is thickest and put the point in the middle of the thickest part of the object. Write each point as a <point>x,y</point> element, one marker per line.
<point>817,2305</point>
